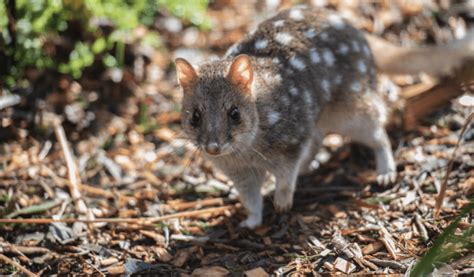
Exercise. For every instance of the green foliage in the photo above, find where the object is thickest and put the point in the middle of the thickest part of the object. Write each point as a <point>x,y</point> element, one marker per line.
<point>43,24</point>
<point>447,246</point>
<point>191,10</point>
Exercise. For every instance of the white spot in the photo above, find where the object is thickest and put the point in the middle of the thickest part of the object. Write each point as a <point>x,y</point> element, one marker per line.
<point>336,21</point>
<point>297,63</point>
<point>338,80</point>
<point>234,49</point>
<point>355,46</point>
<point>366,50</point>
<point>293,90</point>
<point>279,23</point>
<point>355,86</point>
<point>328,57</point>
<point>310,33</point>
<point>273,117</point>
<point>276,61</point>
<point>326,89</point>
<point>361,66</point>
<point>325,85</point>
<point>343,48</point>
<point>269,77</point>
<point>296,14</point>
<point>324,36</point>
<point>314,55</point>
<point>261,43</point>
<point>283,38</point>
<point>307,97</point>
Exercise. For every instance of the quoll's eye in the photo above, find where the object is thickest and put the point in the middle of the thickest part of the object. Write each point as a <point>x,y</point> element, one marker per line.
<point>235,115</point>
<point>196,118</point>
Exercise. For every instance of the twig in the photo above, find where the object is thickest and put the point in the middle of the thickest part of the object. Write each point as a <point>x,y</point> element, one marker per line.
<point>442,192</point>
<point>421,227</point>
<point>17,265</point>
<point>73,174</point>
<point>388,263</point>
<point>22,250</point>
<point>198,204</point>
<point>138,220</point>
<point>387,240</point>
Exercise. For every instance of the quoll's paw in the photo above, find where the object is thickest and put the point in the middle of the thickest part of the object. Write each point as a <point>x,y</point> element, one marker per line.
<point>283,202</point>
<point>386,179</point>
<point>251,222</point>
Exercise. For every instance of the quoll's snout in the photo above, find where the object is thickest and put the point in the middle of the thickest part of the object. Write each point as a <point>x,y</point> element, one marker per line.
<point>213,148</point>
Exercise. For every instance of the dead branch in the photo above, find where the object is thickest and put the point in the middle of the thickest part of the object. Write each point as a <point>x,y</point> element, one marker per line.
<point>138,220</point>
<point>17,265</point>
<point>442,192</point>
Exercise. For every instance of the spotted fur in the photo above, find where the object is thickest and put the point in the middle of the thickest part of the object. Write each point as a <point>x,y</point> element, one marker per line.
<point>313,74</point>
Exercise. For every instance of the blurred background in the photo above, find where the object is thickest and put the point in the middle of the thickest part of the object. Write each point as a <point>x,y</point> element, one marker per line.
<point>76,58</point>
<point>104,69</point>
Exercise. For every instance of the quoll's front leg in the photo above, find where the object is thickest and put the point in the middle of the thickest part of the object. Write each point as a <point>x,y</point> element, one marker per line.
<point>248,182</point>
<point>286,171</point>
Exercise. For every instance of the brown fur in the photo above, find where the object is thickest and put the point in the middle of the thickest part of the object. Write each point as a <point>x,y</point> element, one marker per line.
<point>312,74</point>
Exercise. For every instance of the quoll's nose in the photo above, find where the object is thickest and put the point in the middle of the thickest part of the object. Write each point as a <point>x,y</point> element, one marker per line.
<point>213,148</point>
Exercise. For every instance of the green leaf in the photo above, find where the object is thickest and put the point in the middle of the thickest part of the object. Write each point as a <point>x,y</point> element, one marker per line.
<point>35,209</point>
<point>99,45</point>
<point>447,246</point>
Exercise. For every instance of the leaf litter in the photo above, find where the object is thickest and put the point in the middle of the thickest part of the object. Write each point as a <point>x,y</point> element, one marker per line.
<point>132,162</point>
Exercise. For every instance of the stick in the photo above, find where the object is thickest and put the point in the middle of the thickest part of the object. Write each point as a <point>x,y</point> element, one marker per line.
<point>138,220</point>
<point>442,191</point>
<point>197,204</point>
<point>421,227</point>
<point>387,263</point>
<point>17,265</point>
<point>73,174</point>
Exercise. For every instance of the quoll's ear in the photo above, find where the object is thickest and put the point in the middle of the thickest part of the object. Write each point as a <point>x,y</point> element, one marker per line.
<point>187,76</point>
<point>241,73</point>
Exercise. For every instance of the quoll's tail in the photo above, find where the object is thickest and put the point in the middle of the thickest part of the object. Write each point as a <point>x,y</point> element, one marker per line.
<point>432,60</point>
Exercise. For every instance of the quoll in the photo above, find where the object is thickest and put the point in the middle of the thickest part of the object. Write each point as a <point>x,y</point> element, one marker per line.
<point>268,103</point>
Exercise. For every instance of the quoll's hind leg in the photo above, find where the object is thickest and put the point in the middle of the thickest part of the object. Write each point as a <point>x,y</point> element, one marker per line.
<point>248,182</point>
<point>309,155</point>
<point>368,129</point>
<point>380,144</point>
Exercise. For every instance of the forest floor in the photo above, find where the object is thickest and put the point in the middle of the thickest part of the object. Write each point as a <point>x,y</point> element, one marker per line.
<point>170,213</point>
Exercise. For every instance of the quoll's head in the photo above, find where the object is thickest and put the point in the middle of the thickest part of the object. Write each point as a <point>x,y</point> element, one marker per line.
<point>218,111</point>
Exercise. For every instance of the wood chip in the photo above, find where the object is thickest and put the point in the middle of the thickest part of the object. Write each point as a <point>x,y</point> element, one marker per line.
<point>387,240</point>
<point>108,261</point>
<point>256,272</point>
<point>344,266</point>
<point>215,271</point>
<point>116,270</point>
<point>373,247</point>
<point>183,255</point>
<point>158,238</point>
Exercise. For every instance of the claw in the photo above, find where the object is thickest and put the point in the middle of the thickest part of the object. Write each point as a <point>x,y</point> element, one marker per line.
<point>387,178</point>
<point>283,202</point>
